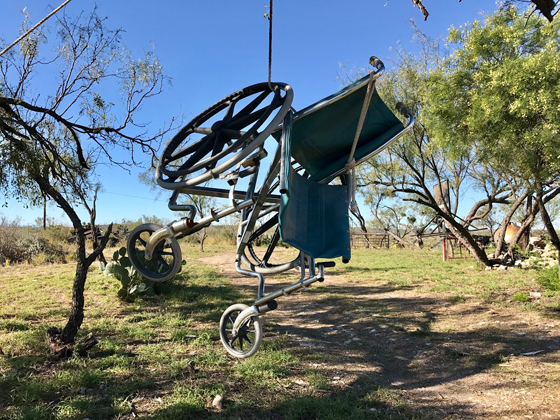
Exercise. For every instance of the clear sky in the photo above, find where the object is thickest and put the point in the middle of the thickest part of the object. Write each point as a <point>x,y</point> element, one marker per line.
<point>211,48</point>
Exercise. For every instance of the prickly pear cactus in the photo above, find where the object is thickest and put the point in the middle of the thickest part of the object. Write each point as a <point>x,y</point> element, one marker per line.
<point>132,282</point>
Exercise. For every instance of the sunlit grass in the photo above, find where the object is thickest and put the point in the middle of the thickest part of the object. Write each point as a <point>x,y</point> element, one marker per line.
<point>161,358</point>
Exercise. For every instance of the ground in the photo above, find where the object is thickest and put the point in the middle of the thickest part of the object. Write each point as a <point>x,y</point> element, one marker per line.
<point>394,334</point>
<point>461,357</point>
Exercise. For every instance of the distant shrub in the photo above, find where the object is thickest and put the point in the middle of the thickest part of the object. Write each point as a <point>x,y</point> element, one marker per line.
<point>27,245</point>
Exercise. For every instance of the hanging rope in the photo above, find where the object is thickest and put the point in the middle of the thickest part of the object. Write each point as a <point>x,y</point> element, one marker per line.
<point>9,47</point>
<point>270,46</point>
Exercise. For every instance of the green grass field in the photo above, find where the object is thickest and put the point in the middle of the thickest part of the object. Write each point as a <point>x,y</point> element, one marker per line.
<point>160,357</point>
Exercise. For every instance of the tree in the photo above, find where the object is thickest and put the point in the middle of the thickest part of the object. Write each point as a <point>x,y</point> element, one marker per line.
<point>414,170</point>
<point>58,121</point>
<point>498,92</point>
<point>545,7</point>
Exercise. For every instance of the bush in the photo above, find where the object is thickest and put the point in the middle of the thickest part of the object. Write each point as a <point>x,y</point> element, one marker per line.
<point>20,245</point>
<point>548,279</point>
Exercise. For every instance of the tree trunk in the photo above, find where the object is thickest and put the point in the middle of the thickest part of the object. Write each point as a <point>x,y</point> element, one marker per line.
<point>506,221</point>
<point>524,240</point>
<point>44,213</point>
<point>548,223</point>
<point>462,234</point>
<point>202,237</point>
<point>77,313</point>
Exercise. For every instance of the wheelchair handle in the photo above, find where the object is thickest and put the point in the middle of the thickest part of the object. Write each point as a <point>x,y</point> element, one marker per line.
<point>405,112</point>
<point>377,63</point>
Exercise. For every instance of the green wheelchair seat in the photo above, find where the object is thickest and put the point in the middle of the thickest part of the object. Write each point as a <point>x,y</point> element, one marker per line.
<point>313,215</point>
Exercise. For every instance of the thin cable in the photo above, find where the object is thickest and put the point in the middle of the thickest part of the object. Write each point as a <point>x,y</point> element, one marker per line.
<point>270,46</point>
<point>33,28</point>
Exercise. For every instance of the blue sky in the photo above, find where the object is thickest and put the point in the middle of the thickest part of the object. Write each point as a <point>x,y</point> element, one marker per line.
<point>212,48</point>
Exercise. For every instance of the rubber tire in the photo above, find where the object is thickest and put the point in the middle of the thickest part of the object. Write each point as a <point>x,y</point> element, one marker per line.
<point>239,307</point>
<point>145,271</point>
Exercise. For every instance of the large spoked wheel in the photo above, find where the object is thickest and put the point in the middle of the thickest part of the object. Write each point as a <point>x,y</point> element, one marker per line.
<point>264,259</point>
<point>166,259</point>
<point>249,337</point>
<point>234,126</point>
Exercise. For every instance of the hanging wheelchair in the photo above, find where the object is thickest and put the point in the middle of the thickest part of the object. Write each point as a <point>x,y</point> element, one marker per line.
<point>295,201</point>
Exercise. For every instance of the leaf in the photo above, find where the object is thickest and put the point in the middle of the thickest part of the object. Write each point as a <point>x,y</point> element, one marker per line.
<point>122,293</point>
<point>116,256</point>
<point>109,269</point>
<point>122,251</point>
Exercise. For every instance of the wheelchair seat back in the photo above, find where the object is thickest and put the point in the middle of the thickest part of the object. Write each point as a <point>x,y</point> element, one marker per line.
<point>323,133</point>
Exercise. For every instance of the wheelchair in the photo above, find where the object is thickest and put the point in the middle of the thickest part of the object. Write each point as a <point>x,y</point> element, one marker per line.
<point>303,199</point>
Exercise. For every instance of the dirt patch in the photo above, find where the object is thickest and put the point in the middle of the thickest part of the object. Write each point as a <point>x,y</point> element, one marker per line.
<point>462,358</point>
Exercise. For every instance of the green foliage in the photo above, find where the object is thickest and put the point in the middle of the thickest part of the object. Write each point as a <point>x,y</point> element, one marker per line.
<point>132,282</point>
<point>520,297</point>
<point>27,245</point>
<point>549,279</point>
<point>499,91</point>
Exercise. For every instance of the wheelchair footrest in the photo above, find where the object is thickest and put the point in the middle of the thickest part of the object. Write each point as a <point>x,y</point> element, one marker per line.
<point>327,264</point>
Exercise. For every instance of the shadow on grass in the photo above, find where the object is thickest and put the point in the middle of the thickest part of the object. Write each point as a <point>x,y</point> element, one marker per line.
<point>157,360</point>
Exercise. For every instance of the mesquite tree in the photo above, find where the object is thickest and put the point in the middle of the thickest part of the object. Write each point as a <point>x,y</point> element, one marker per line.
<point>68,100</point>
<point>499,92</point>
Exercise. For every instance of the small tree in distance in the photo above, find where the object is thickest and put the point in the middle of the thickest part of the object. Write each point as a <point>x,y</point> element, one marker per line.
<point>58,121</point>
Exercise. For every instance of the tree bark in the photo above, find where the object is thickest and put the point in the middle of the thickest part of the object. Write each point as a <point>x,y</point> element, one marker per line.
<point>548,223</point>
<point>506,221</point>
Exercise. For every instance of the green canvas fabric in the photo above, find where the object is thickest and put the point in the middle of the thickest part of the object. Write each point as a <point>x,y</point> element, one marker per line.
<point>314,218</point>
<point>321,141</point>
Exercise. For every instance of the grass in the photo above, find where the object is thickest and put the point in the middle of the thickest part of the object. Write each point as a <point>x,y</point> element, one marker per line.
<point>160,357</point>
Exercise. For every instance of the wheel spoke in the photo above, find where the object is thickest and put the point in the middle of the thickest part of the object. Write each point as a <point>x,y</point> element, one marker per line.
<point>142,241</point>
<point>229,112</point>
<point>202,130</point>
<point>238,123</point>
<point>248,109</point>
<point>202,151</point>
<point>219,143</point>
<point>271,245</point>
<point>163,263</point>
<point>233,134</point>
<point>204,142</point>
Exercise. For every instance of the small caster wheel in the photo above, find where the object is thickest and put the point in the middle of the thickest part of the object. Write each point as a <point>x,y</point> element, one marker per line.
<point>249,336</point>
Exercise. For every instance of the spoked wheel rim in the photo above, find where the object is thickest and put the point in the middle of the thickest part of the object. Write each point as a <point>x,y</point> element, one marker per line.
<point>229,127</point>
<point>166,259</point>
<point>262,262</point>
<point>248,338</point>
